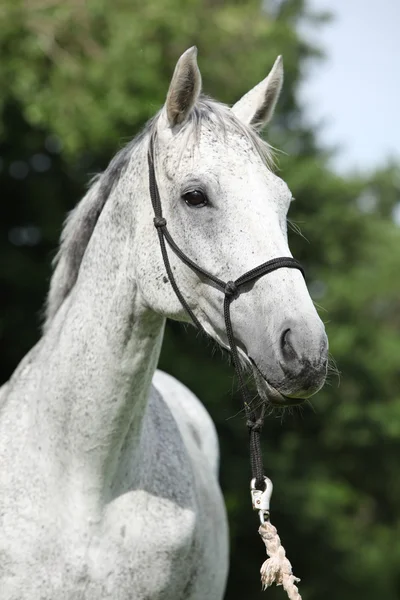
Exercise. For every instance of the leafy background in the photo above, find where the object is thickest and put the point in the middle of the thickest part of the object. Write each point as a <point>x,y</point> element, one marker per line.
<point>77,80</point>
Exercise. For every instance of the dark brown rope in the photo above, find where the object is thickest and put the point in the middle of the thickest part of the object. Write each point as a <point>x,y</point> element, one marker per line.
<point>231,291</point>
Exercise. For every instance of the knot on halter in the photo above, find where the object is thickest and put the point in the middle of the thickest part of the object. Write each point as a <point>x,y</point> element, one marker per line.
<point>255,426</point>
<point>231,289</point>
<point>159,222</point>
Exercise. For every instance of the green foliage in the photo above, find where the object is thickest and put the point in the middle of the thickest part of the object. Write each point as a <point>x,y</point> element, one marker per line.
<point>90,74</point>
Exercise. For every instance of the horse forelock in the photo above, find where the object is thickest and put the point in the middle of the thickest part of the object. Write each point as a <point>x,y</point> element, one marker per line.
<point>221,118</point>
<point>81,222</point>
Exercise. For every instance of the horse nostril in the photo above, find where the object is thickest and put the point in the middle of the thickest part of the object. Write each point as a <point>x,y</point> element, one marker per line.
<point>283,338</point>
<point>286,346</point>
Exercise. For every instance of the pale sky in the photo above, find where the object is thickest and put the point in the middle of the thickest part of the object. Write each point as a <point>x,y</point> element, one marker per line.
<point>356,90</point>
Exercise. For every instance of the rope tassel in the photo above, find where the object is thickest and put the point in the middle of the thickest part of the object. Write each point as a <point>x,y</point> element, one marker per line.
<point>277,568</point>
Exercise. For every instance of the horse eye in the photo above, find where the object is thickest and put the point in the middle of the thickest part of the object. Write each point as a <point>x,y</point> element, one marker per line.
<point>195,198</point>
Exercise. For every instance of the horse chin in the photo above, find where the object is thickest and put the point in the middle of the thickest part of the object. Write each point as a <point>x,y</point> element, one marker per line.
<point>270,394</point>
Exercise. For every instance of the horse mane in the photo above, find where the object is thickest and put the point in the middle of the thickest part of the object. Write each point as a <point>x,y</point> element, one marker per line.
<point>81,221</point>
<point>78,228</point>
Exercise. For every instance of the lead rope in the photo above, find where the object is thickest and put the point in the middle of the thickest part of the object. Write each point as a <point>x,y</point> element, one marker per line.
<point>255,419</point>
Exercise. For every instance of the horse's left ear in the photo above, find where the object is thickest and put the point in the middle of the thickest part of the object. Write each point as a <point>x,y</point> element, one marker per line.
<point>257,106</point>
<point>184,89</point>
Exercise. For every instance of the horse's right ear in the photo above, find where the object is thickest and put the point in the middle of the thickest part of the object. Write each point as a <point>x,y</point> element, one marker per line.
<point>184,89</point>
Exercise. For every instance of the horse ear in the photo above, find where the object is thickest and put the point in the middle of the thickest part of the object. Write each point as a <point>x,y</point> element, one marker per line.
<point>257,106</point>
<point>184,88</point>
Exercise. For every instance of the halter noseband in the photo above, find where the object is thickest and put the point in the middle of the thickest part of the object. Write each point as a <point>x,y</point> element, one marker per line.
<point>231,291</point>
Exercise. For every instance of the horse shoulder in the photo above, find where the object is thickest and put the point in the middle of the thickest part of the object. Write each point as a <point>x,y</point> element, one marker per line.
<point>193,420</point>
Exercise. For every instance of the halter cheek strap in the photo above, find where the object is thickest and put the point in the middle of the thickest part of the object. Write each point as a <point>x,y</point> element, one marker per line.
<point>231,291</point>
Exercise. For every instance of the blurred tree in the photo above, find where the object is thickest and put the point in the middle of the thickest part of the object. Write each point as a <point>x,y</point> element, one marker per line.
<point>92,72</point>
<point>79,77</point>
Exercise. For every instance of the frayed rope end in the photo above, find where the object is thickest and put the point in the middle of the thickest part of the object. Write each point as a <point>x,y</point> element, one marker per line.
<point>277,568</point>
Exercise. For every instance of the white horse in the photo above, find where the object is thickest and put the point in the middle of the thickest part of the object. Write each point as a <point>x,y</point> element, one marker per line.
<point>108,468</point>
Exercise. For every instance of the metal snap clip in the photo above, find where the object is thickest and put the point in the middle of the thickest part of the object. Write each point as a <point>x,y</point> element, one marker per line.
<point>260,500</point>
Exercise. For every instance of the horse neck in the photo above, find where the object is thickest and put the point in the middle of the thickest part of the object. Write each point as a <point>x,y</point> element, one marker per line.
<point>107,347</point>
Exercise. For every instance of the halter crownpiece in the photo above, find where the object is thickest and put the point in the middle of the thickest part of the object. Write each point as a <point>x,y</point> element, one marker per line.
<point>231,291</point>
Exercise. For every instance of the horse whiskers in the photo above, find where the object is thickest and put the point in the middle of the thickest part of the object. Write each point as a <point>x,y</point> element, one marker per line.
<point>333,368</point>
<point>319,306</point>
<point>295,227</point>
<point>256,398</point>
<point>310,404</point>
